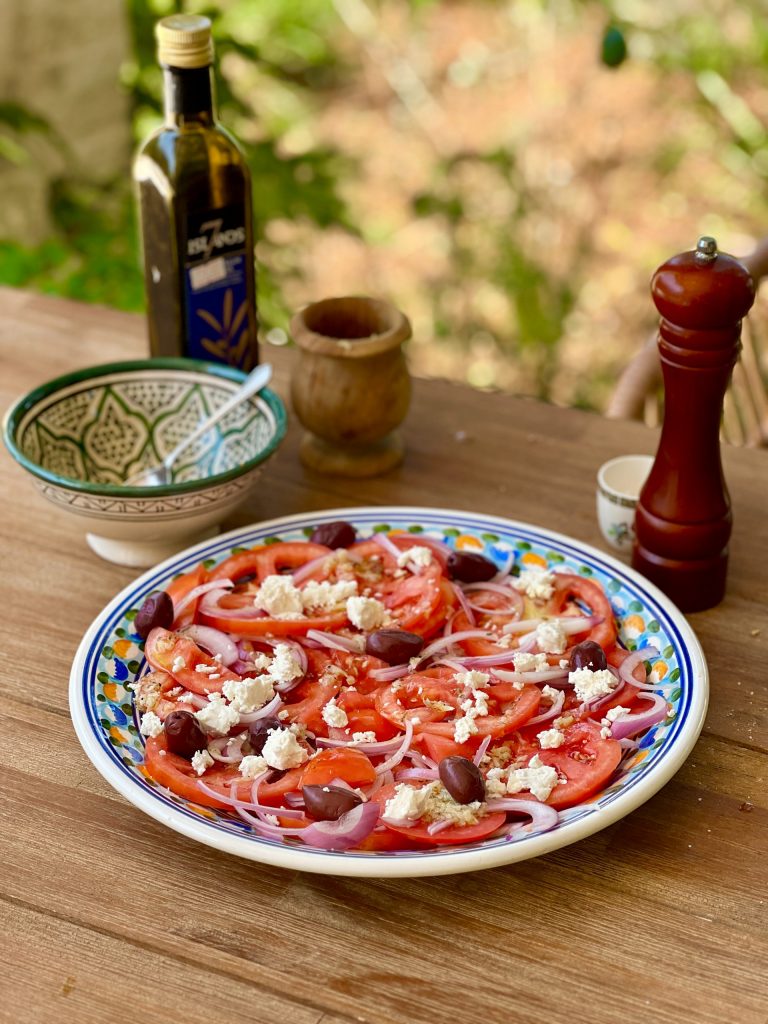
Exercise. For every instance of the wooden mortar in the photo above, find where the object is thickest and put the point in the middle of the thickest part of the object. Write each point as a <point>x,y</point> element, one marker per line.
<point>350,388</point>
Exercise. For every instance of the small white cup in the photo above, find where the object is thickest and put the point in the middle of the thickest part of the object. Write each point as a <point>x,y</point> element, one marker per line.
<point>619,483</point>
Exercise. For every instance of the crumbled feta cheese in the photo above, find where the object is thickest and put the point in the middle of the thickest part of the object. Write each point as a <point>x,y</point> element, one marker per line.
<point>201,760</point>
<point>605,731</point>
<point>178,664</point>
<point>334,716</point>
<point>252,765</point>
<point>326,595</point>
<point>550,691</point>
<point>285,666</point>
<point>407,804</point>
<point>418,556</point>
<point>538,584</point>
<point>549,739</point>
<point>278,596</point>
<point>613,713</point>
<point>475,680</point>
<point>249,694</point>
<point>260,661</point>
<point>527,662</point>
<point>540,779</point>
<point>282,750</point>
<point>363,737</point>
<point>475,706</point>
<point>217,717</point>
<point>366,612</point>
<point>151,725</point>
<point>496,783</point>
<point>551,637</point>
<point>272,819</point>
<point>588,684</point>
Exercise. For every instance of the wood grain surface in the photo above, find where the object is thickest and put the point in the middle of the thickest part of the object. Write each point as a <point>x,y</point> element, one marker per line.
<point>107,916</point>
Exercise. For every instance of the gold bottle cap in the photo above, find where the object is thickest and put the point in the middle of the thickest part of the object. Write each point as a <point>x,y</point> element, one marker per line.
<point>184,41</point>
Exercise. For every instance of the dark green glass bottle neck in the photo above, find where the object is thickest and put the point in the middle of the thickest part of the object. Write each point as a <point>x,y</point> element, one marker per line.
<point>188,95</point>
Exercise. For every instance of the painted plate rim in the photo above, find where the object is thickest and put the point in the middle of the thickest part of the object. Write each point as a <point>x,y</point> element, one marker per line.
<point>382,865</point>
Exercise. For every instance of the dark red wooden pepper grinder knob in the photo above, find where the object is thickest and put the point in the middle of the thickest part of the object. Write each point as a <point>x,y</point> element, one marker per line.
<point>683,520</point>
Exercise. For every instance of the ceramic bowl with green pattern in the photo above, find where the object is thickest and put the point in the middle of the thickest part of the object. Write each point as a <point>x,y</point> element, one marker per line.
<point>81,435</point>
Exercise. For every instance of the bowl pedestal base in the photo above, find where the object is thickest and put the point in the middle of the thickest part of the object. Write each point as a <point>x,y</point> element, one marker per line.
<point>144,554</point>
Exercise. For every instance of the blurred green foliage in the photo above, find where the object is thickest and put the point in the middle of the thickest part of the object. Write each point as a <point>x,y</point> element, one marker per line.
<point>280,60</point>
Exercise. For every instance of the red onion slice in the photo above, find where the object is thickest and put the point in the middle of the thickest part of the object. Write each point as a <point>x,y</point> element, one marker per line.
<point>628,666</point>
<point>480,754</point>
<point>557,707</point>
<point>439,826</point>
<point>203,588</point>
<point>306,570</point>
<point>629,725</point>
<point>210,605</point>
<point>347,831</point>
<point>216,748</point>
<point>521,626</point>
<point>516,599</point>
<point>465,606</point>
<point>401,751</point>
<point>371,749</point>
<point>215,642</point>
<point>335,643</point>
<point>444,642</point>
<point>546,675</point>
<point>430,774</point>
<point>543,817</point>
<point>248,805</point>
<point>389,675</point>
<point>386,544</point>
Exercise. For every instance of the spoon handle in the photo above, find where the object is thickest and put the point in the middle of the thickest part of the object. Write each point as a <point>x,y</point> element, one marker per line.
<point>255,381</point>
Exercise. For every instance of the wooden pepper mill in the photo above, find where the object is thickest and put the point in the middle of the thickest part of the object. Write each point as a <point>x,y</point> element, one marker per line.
<point>350,387</point>
<point>683,519</point>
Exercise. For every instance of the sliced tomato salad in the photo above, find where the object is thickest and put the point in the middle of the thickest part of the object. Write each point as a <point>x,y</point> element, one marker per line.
<point>389,694</point>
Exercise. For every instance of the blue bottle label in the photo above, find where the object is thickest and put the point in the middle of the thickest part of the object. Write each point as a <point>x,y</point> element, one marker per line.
<point>220,325</point>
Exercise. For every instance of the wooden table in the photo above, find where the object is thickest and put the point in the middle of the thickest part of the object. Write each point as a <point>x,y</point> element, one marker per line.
<point>106,916</point>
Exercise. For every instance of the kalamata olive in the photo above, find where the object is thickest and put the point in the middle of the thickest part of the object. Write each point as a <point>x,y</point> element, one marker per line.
<point>328,803</point>
<point>587,654</point>
<point>469,567</point>
<point>184,734</point>
<point>462,778</point>
<point>334,535</point>
<point>258,732</point>
<point>157,610</point>
<point>395,646</point>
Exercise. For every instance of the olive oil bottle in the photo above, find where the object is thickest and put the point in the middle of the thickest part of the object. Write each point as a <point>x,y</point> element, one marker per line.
<point>194,190</point>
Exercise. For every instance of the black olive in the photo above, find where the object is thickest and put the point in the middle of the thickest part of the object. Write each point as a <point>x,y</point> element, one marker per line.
<point>334,535</point>
<point>395,646</point>
<point>462,778</point>
<point>328,803</point>
<point>469,567</point>
<point>183,733</point>
<point>587,654</point>
<point>157,610</point>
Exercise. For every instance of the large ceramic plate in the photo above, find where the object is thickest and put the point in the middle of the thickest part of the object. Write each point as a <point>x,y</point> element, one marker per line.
<point>110,657</point>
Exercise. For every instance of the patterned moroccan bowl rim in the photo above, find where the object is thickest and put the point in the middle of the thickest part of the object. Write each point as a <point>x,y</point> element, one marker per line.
<point>19,410</point>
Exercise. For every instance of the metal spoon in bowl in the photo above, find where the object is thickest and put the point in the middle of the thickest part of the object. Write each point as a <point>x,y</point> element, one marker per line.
<point>161,474</point>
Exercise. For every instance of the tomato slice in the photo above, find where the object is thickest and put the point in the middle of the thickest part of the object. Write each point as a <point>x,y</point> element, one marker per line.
<point>570,588</point>
<point>178,775</point>
<point>454,835</point>
<point>163,647</point>
<point>405,698</point>
<point>268,560</point>
<point>513,717</point>
<point>178,589</point>
<point>273,793</point>
<point>346,763</point>
<point>585,760</point>
<point>440,747</point>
